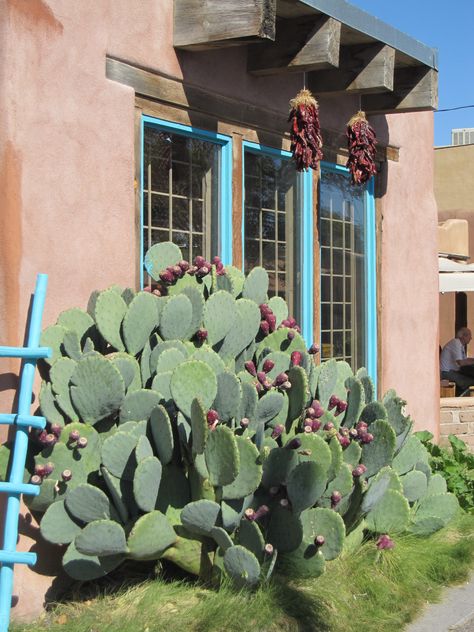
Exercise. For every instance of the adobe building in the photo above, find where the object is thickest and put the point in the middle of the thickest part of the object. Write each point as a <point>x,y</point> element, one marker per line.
<point>127,123</point>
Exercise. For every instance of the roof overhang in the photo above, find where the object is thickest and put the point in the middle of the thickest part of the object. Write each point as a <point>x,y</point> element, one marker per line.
<point>455,277</point>
<point>342,48</point>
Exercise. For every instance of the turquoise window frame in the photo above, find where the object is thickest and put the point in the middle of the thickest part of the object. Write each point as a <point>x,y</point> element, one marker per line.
<point>225,181</point>
<point>305,190</point>
<point>370,271</point>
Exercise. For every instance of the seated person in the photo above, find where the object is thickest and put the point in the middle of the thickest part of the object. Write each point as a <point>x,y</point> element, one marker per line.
<point>454,364</point>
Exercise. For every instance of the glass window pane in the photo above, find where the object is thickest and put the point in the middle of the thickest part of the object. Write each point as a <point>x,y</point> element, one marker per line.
<point>272,222</point>
<point>343,234</point>
<point>181,178</point>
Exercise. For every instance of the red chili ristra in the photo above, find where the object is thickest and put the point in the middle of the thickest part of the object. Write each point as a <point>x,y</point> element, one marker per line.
<point>305,133</point>
<point>361,142</point>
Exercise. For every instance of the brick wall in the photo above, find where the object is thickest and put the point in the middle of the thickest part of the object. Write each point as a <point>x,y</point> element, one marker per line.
<point>457,417</point>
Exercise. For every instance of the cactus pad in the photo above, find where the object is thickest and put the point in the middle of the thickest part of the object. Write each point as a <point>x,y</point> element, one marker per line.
<point>151,535</point>
<point>176,317</point>
<point>190,380</point>
<point>58,526</point>
<point>88,503</point>
<point>200,516</point>
<point>249,474</point>
<point>256,286</point>
<point>160,256</point>
<point>415,485</point>
<point>390,514</point>
<point>138,405</point>
<point>242,566</point>
<point>139,322</point>
<point>109,311</point>
<point>306,484</point>
<point>219,316</point>
<point>162,434</point>
<point>118,454</point>
<point>101,537</point>
<point>146,483</point>
<point>380,451</point>
<point>88,567</point>
<point>222,456</point>
<point>228,396</point>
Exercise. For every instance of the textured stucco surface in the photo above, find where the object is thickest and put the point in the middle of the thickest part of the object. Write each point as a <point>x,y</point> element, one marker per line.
<point>67,183</point>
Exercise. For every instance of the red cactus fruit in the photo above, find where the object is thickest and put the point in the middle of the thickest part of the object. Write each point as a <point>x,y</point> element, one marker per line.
<point>296,358</point>
<point>39,470</point>
<point>66,475</point>
<point>48,468</point>
<point>56,429</point>
<point>316,425</point>
<point>36,480</point>
<point>333,402</point>
<point>291,334</point>
<point>250,514</point>
<point>212,416</point>
<point>277,431</point>
<point>319,540</point>
<point>385,542</point>
<point>328,426</point>
<point>264,327</point>
<point>336,498</point>
<point>268,365</point>
<point>268,548</point>
<point>314,349</point>
<point>201,334</point>
<point>280,378</point>
<point>81,443</point>
<point>74,435</point>
<point>244,422</point>
<point>250,367</point>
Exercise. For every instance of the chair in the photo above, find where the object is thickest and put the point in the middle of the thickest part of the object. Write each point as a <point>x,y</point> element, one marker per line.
<point>447,389</point>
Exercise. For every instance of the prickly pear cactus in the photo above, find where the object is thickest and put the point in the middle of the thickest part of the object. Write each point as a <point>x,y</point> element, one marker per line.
<point>190,422</point>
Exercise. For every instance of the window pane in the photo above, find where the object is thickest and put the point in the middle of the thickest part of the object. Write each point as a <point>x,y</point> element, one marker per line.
<point>180,196</point>
<point>271,222</point>
<point>342,237</point>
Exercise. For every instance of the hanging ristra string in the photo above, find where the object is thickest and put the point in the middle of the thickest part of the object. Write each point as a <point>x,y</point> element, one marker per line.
<point>361,142</point>
<point>305,132</point>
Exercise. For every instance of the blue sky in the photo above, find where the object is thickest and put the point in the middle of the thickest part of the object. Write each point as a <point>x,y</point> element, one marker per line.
<point>449,27</point>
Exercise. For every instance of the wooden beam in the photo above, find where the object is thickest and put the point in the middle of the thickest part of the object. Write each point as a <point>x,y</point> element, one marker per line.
<point>415,89</point>
<point>362,69</point>
<point>206,24</point>
<point>300,45</point>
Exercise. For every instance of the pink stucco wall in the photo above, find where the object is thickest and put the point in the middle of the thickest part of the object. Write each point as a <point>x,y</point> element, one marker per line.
<point>67,189</point>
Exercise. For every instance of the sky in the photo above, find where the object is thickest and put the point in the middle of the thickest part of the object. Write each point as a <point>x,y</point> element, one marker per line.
<point>449,27</point>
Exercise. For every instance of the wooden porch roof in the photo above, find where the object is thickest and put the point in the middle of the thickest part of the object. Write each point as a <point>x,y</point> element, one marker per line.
<point>342,48</point>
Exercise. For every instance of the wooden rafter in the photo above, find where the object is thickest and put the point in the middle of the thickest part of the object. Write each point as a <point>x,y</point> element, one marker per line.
<point>207,24</point>
<point>300,45</point>
<point>415,89</point>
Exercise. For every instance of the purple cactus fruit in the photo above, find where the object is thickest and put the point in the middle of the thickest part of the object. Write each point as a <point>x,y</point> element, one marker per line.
<point>284,502</point>
<point>202,272</point>
<point>192,270</point>
<point>333,402</point>
<point>147,288</point>
<point>216,260</point>
<point>291,334</point>
<point>328,426</point>
<point>250,514</point>
<point>39,470</point>
<point>311,412</point>
<point>74,435</point>
<point>362,426</point>
<point>184,265</point>
<point>50,439</point>
<point>48,468</point>
<point>264,327</point>
<point>56,430</point>
<point>212,416</point>
<point>271,320</point>
<point>201,335</point>
<point>285,323</point>
<point>178,272</point>
<point>308,422</point>
<point>81,443</point>
<point>319,540</point>
<point>250,367</point>
<point>166,276</point>
<point>294,444</point>
<point>36,480</point>
<point>336,498</point>
<point>258,387</point>
<point>244,422</point>
<point>268,365</point>
<point>274,490</point>
<point>277,430</point>
<point>308,429</point>
<point>261,376</point>
<point>297,328</point>
<point>268,548</point>
<point>314,349</point>
<point>261,512</point>
<point>359,470</point>
<point>353,433</point>
<point>280,378</point>
<point>344,432</point>
<point>285,386</point>
<point>66,475</point>
<point>291,322</point>
<point>340,407</point>
<point>385,542</point>
<point>367,437</point>
<point>316,425</point>
<point>264,310</point>
<point>42,437</point>
<point>156,292</point>
<point>344,441</point>
<point>296,358</point>
<point>199,261</point>
<point>220,270</point>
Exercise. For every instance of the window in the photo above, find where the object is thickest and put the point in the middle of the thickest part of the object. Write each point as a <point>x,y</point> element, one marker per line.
<point>274,223</point>
<point>347,240</point>
<point>186,189</point>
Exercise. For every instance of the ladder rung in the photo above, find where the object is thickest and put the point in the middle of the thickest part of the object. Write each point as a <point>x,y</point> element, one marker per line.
<point>25,352</point>
<point>23,420</point>
<point>17,557</point>
<point>19,488</point>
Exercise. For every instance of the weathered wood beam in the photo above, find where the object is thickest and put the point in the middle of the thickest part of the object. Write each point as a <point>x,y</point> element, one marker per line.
<point>300,45</point>
<point>361,69</point>
<point>206,24</point>
<point>415,89</point>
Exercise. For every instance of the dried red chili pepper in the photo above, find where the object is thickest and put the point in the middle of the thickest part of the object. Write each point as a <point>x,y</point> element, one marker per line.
<point>361,142</point>
<point>305,133</point>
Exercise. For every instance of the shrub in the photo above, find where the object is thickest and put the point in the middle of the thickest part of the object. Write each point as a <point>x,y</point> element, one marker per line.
<point>455,464</point>
<point>191,423</point>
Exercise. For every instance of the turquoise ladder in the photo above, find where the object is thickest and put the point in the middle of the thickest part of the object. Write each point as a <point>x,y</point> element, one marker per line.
<point>21,422</point>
